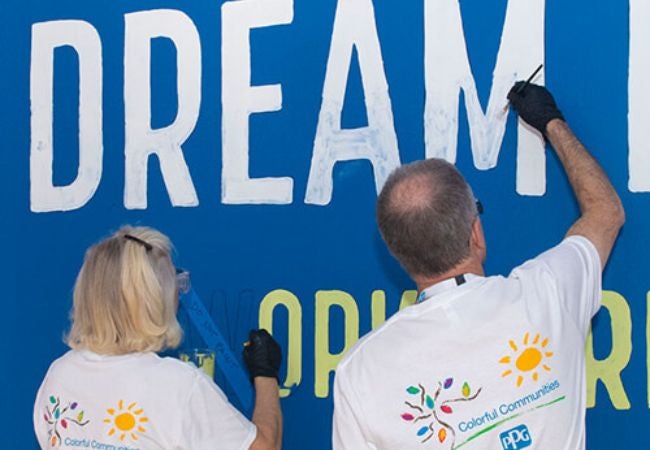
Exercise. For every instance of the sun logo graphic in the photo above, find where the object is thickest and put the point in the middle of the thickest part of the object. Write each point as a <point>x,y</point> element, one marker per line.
<point>126,422</point>
<point>528,358</point>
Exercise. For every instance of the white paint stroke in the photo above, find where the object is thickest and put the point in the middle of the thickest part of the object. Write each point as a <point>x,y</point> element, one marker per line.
<point>354,27</point>
<point>639,97</point>
<point>84,39</point>
<point>141,141</point>
<point>447,71</point>
<point>240,100</point>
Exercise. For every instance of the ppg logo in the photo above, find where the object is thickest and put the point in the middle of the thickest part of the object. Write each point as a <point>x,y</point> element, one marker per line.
<point>516,438</point>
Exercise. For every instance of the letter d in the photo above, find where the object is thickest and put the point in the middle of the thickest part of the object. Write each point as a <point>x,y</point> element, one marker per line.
<point>84,39</point>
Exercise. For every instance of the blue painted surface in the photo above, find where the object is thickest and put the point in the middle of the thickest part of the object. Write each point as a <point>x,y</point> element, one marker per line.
<point>237,254</point>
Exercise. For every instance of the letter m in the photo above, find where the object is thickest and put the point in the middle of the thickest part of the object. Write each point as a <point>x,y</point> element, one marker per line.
<point>447,71</point>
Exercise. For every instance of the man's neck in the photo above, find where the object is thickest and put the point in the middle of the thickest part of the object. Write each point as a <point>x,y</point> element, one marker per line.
<point>473,267</point>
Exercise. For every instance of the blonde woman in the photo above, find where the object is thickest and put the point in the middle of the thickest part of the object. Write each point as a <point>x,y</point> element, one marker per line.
<point>112,391</point>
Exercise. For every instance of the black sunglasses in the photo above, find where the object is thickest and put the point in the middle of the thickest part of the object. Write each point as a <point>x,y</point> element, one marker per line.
<point>479,207</point>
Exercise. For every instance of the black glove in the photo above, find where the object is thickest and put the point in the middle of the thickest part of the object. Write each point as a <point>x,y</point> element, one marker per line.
<point>534,104</point>
<point>262,355</point>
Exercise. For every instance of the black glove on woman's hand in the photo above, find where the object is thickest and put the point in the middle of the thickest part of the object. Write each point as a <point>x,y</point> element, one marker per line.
<point>535,105</point>
<point>262,355</point>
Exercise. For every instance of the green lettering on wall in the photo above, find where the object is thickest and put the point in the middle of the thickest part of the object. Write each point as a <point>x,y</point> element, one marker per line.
<point>408,298</point>
<point>378,308</point>
<point>608,370</point>
<point>326,361</point>
<point>289,301</point>
<point>378,302</point>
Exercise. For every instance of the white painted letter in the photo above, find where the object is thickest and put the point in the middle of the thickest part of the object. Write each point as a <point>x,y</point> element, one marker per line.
<point>447,70</point>
<point>354,26</point>
<point>83,38</point>
<point>240,100</point>
<point>141,140</point>
<point>639,97</point>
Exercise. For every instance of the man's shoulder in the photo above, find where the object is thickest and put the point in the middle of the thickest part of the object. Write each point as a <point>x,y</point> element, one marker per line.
<point>574,251</point>
<point>390,336</point>
<point>372,341</point>
<point>387,339</point>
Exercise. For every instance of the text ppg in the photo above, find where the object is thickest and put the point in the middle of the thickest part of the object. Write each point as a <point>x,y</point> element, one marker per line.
<point>516,438</point>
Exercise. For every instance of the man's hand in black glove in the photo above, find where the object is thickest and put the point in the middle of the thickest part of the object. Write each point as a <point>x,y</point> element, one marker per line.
<point>534,104</point>
<point>262,355</point>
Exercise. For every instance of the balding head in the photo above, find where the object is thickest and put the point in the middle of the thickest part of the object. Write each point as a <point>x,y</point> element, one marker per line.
<point>425,214</point>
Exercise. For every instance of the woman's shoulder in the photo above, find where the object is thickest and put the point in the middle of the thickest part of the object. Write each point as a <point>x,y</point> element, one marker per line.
<point>63,361</point>
<point>175,366</point>
<point>147,370</point>
<point>79,360</point>
<point>167,369</point>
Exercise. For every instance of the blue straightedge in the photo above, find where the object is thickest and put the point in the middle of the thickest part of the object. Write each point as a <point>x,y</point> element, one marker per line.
<point>226,360</point>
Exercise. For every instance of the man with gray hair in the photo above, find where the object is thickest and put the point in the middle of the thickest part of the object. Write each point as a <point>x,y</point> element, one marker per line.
<point>488,362</point>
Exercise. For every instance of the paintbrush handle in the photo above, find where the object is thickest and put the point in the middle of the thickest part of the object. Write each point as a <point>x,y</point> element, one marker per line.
<point>530,78</point>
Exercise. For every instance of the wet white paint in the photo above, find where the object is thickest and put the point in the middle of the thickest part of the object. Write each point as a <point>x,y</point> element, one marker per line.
<point>166,143</point>
<point>240,100</point>
<point>639,97</point>
<point>447,71</point>
<point>83,38</point>
<point>354,27</point>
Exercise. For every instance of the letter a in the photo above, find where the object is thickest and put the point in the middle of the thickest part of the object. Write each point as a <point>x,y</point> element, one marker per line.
<point>354,26</point>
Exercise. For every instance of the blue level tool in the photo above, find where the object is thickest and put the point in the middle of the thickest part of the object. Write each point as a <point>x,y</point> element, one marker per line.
<point>226,360</point>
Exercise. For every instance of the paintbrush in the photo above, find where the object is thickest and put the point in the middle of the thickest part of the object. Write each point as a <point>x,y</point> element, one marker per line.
<point>521,88</point>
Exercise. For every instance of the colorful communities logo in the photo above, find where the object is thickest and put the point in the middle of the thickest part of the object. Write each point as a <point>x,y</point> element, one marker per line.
<point>61,415</point>
<point>126,421</point>
<point>526,358</point>
<point>428,409</point>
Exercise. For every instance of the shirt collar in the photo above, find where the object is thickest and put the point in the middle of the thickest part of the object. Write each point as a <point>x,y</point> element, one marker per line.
<point>445,285</point>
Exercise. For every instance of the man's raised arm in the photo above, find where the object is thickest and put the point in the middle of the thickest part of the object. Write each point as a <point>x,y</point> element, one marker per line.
<point>602,214</point>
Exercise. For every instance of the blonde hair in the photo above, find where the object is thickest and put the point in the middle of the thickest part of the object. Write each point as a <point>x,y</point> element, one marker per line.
<point>124,298</point>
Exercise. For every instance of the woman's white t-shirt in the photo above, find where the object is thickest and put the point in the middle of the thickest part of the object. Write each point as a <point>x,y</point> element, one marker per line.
<point>137,401</point>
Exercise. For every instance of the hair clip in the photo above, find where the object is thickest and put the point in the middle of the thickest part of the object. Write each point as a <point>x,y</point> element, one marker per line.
<point>146,245</point>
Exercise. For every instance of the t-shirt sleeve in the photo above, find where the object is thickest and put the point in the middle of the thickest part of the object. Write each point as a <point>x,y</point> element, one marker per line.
<point>211,422</point>
<point>575,268</point>
<point>40,418</point>
<point>347,432</point>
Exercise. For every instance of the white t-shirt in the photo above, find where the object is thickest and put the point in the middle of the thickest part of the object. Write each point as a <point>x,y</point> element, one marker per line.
<point>135,401</point>
<point>494,363</point>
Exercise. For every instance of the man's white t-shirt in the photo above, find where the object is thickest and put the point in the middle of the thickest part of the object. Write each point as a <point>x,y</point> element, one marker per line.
<point>135,401</point>
<point>494,363</point>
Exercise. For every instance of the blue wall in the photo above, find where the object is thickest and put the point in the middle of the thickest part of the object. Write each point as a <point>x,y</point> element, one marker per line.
<point>239,253</point>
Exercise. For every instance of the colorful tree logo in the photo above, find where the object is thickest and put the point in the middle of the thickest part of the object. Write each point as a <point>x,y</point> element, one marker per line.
<point>61,415</point>
<point>427,410</point>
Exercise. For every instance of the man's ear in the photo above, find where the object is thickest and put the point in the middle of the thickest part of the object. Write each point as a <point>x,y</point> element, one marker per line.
<point>477,238</point>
